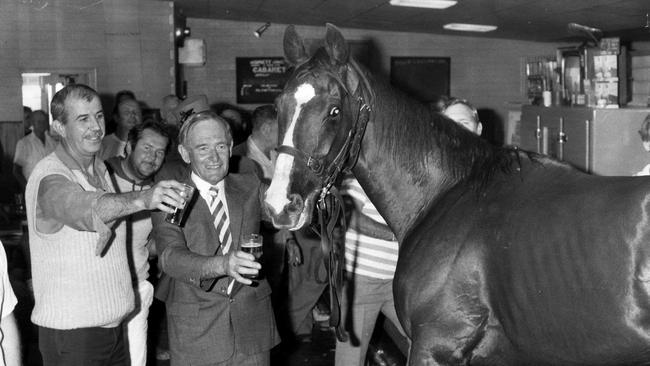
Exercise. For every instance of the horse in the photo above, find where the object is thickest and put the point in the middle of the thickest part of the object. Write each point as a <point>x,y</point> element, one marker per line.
<point>506,257</point>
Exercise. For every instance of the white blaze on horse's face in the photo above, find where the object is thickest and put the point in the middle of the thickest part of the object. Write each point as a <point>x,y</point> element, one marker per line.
<point>277,196</point>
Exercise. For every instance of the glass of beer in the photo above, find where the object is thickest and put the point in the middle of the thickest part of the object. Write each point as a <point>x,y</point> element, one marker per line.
<point>252,244</point>
<point>177,216</point>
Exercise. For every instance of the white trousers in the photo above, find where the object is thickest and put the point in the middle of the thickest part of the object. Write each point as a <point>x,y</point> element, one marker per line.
<point>137,326</point>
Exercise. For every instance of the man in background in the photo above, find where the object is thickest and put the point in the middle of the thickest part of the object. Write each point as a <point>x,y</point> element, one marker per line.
<point>371,252</point>
<point>238,123</point>
<point>27,120</point>
<point>263,139</point>
<point>463,113</point>
<point>33,147</point>
<point>169,103</point>
<point>145,151</point>
<point>129,115</point>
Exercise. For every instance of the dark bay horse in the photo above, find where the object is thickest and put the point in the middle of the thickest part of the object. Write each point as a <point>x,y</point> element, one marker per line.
<point>506,257</point>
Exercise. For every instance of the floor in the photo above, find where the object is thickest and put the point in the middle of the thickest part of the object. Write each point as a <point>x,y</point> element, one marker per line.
<point>318,351</point>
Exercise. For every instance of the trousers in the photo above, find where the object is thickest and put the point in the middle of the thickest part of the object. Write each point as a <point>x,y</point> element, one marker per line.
<point>362,301</point>
<point>137,326</point>
<point>83,347</point>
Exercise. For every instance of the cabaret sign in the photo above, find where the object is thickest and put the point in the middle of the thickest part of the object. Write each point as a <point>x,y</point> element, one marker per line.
<point>260,79</point>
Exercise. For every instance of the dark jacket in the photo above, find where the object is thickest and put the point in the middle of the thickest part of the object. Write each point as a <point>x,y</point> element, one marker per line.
<point>206,327</point>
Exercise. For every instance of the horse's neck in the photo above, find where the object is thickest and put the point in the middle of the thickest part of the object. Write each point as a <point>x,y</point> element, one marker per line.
<point>399,193</point>
<point>411,156</point>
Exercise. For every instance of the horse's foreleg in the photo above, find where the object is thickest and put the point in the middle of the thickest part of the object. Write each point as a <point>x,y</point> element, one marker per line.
<point>442,342</point>
<point>421,351</point>
<point>439,341</point>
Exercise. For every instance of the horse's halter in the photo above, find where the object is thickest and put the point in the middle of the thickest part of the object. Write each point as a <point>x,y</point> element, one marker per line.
<point>331,212</point>
<point>347,156</point>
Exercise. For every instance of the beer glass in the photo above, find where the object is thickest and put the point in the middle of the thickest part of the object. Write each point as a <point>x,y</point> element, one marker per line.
<point>177,216</point>
<point>252,244</point>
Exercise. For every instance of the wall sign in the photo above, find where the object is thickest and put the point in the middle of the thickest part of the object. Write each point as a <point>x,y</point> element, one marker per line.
<point>425,78</point>
<point>260,79</point>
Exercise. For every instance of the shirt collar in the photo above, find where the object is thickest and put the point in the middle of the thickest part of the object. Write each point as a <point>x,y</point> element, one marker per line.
<point>203,186</point>
<point>98,166</point>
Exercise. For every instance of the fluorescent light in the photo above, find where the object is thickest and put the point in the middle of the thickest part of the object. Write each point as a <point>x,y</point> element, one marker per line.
<point>464,27</point>
<point>433,4</point>
<point>35,74</point>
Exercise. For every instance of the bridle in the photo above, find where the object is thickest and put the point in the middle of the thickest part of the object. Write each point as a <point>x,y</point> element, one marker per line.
<point>331,211</point>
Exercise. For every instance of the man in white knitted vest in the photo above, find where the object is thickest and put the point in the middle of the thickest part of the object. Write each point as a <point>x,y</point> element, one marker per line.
<point>146,149</point>
<point>82,285</point>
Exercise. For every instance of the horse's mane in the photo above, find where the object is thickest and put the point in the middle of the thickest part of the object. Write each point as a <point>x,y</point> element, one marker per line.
<point>410,131</point>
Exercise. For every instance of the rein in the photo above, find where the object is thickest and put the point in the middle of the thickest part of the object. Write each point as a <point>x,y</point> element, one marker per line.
<point>331,216</point>
<point>331,211</point>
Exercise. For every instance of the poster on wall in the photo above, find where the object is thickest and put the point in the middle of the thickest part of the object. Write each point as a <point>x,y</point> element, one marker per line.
<point>260,79</point>
<point>424,78</point>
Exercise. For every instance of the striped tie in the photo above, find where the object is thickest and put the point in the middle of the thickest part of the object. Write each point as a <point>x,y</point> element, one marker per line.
<point>221,222</point>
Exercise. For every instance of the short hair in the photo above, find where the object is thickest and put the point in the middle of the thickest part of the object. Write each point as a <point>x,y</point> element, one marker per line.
<point>121,96</point>
<point>263,115</point>
<point>645,129</point>
<point>454,101</point>
<point>40,112</point>
<point>79,91</point>
<point>126,100</point>
<point>198,117</point>
<point>135,134</point>
<point>26,109</point>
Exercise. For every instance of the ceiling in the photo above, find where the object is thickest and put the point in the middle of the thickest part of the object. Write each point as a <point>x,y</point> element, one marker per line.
<point>534,20</point>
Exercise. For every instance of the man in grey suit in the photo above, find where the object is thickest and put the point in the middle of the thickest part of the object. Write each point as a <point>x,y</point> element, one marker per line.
<point>215,315</point>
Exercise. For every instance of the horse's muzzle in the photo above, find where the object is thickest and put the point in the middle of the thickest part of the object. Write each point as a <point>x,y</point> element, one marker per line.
<point>289,217</point>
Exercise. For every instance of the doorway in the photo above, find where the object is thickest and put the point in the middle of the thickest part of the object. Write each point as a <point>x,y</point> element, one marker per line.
<point>39,86</point>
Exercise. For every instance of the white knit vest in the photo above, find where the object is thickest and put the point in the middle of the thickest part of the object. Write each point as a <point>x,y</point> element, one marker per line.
<point>73,287</point>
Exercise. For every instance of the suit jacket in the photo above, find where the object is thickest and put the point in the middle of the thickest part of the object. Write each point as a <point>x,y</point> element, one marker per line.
<point>206,327</point>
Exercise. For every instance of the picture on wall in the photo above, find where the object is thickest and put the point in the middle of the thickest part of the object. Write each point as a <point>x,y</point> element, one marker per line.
<point>260,79</point>
<point>424,78</point>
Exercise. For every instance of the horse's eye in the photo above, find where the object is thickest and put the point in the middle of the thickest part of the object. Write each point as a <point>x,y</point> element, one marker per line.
<point>334,111</point>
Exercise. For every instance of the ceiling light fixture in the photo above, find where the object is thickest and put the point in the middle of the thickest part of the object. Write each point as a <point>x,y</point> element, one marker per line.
<point>432,4</point>
<point>261,29</point>
<point>465,27</point>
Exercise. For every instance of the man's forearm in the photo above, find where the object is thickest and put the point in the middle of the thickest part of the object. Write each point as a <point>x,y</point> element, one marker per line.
<point>367,226</point>
<point>112,206</point>
<point>182,264</point>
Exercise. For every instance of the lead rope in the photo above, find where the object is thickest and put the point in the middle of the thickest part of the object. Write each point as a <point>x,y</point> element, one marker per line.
<point>331,215</point>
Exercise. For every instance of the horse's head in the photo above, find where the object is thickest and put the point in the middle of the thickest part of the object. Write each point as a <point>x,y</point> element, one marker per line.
<point>321,115</point>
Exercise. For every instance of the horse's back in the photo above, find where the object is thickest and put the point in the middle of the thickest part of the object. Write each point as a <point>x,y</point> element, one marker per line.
<point>541,266</point>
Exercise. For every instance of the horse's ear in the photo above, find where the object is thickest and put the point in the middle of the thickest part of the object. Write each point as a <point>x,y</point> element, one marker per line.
<point>352,79</point>
<point>294,48</point>
<point>336,46</point>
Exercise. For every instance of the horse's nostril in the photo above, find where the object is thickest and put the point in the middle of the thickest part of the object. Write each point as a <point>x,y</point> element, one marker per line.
<point>296,204</point>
